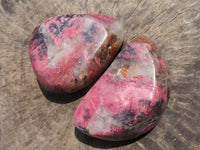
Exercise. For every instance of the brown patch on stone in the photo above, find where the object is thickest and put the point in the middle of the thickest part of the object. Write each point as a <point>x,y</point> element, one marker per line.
<point>108,49</point>
<point>124,71</point>
<point>145,39</point>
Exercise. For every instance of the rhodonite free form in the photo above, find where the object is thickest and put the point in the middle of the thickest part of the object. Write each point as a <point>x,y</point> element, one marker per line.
<point>69,52</point>
<point>130,97</point>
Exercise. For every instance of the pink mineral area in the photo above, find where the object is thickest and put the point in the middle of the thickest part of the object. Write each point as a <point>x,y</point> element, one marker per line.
<point>69,52</point>
<point>129,98</point>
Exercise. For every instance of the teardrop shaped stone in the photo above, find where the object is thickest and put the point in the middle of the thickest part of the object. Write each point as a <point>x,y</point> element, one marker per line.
<point>69,52</point>
<point>130,97</point>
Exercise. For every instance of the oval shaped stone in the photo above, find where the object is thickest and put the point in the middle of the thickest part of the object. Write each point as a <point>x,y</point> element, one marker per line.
<point>130,97</point>
<point>69,52</point>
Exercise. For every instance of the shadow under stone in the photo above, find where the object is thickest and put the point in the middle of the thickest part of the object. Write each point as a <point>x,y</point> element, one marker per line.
<point>103,144</point>
<point>63,98</point>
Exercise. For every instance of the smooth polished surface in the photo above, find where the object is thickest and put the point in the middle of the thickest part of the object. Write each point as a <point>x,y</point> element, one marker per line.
<point>69,52</point>
<point>130,97</point>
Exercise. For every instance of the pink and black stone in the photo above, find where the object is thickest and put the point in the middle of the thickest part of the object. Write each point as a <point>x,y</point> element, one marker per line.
<point>69,52</point>
<point>130,97</point>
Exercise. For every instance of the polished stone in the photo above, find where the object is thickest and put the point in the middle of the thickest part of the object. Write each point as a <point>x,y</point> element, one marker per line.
<point>69,52</point>
<point>130,97</point>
